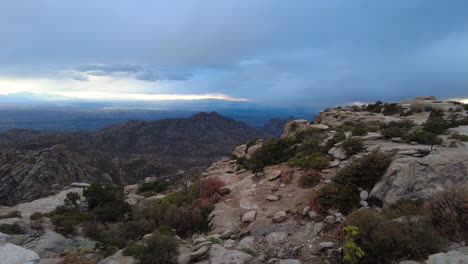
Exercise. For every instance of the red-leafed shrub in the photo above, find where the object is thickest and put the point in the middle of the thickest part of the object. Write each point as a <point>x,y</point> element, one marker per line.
<point>287,177</point>
<point>315,204</point>
<point>309,179</point>
<point>211,191</point>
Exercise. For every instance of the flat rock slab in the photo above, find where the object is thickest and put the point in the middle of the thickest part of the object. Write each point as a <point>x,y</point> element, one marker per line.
<point>271,176</point>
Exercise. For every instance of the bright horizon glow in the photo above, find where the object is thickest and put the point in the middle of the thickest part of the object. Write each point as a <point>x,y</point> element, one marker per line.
<point>145,97</point>
<point>98,87</point>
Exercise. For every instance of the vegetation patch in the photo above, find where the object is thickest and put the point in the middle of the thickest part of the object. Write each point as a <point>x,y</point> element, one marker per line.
<point>352,145</point>
<point>309,179</point>
<point>365,172</point>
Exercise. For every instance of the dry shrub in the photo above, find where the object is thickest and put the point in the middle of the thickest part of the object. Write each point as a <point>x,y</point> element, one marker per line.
<point>185,219</point>
<point>315,204</point>
<point>448,212</point>
<point>309,179</point>
<point>211,191</point>
<point>287,177</point>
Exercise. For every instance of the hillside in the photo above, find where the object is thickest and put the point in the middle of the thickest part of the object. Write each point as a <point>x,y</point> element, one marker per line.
<point>124,153</point>
<point>380,183</point>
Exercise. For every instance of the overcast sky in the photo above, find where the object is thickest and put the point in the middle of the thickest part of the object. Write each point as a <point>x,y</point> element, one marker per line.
<point>274,52</point>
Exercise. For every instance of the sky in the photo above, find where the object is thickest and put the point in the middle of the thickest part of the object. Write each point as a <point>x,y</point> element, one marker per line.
<point>304,53</point>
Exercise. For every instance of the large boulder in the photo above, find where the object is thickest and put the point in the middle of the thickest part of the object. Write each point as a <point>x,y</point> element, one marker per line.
<point>411,177</point>
<point>13,254</point>
<point>273,175</point>
<point>455,256</point>
<point>338,153</point>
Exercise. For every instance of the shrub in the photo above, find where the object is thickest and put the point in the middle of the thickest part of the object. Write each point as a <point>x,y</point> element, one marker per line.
<point>337,138</point>
<point>365,172</point>
<point>423,137</point>
<point>212,191</point>
<point>465,106</point>
<point>36,216</point>
<point>448,212</point>
<point>159,249</point>
<point>186,220</point>
<point>107,202</point>
<point>375,108</point>
<point>314,161</point>
<point>309,179</point>
<point>391,109</point>
<point>133,250</point>
<point>12,229</point>
<point>386,241</point>
<point>405,208</point>
<point>156,186</point>
<point>396,129</point>
<point>165,230</point>
<point>335,196</point>
<point>12,214</point>
<point>359,131</point>
<point>72,200</point>
<point>352,253</point>
<point>459,137</point>
<point>65,220</point>
<point>352,145</point>
<point>287,177</point>
<point>436,125</point>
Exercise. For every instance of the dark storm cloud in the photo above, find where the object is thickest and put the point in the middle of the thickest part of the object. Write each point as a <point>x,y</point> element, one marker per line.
<point>288,52</point>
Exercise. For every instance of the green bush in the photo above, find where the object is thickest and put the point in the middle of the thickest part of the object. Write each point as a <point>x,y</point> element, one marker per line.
<point>156,186</point>
<point>72,200</point>
<point>436,125</point>
<point>459,137</point>
<point>335,196</point>
<point>66,220</point>
<point>107,202</point>
<point>337,138</point>
<point>12,214</point>
<point>352,145</point>
<point>423,137</point>
<point>133,250</point>
<point>386,240</point>
<point>12,229</point>
<point>36,216</point>
<point>359,131</point>
<point>365,172</point>
<point>159,249</point>
<point>165,230</point>
<point>375,108</point>
<point>396,129</point>
<point>314,161</point>
<point>391,109</point>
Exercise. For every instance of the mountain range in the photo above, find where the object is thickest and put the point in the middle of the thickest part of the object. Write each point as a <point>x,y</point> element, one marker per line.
<point>34,164</point>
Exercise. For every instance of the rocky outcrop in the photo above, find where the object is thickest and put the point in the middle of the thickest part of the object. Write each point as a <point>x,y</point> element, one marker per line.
<point>13,254</point>
<point>410,177</point>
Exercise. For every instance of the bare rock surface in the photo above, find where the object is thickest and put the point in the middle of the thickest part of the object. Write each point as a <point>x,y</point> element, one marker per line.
<point>412,177</point>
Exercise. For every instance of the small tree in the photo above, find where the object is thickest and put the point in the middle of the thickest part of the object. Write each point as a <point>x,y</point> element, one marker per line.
<point>352,252</point>
<point>159,249</point>
<point>72,200</point>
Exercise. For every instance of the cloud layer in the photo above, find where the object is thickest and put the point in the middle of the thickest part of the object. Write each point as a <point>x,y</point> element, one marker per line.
<point>274,52</point>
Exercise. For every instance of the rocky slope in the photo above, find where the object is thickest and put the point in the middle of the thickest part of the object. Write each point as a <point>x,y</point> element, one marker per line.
<point>269,214</point>
<point>33,164</point>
